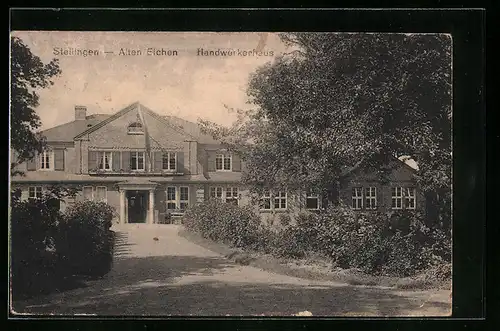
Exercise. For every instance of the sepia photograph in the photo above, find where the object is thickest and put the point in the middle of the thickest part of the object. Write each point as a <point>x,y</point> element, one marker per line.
<point>230,174</point>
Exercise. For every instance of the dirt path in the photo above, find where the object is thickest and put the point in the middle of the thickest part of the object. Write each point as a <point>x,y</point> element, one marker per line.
<point>173,276</point>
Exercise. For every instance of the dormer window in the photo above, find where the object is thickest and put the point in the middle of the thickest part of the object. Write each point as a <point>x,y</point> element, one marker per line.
<point>135,128</point>
<point>223,162</point>
<point>46,160</point>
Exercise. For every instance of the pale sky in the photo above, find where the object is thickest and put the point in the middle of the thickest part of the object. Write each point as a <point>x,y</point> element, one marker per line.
<point>187,85</point>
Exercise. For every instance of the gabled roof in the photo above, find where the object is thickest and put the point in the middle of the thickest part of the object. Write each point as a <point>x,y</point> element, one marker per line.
<point>191,128</point>
<point>127,109</point>
<point>66,132</point>
<point>77,129</point>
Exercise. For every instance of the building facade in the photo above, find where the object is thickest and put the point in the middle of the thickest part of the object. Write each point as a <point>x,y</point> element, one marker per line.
<point>151,168</point>
<point>392,188</point>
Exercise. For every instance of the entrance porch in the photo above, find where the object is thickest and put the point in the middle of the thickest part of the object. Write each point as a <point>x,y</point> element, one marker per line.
<point>137,202</point>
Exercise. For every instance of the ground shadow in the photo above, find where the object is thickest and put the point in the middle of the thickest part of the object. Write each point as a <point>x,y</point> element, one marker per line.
<point>150,286</point>
<point>134,273</point>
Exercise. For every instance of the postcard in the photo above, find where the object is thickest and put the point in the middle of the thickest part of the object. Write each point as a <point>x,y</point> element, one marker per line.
<point>230,174</point>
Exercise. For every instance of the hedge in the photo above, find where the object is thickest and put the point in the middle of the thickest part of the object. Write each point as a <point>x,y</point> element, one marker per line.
<point>397,244</point>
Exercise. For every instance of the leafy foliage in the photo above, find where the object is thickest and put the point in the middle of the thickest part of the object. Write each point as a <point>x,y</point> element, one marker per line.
<point>34,233</point>
<point>342,97</point>
<point>397,244</point>
<point>28,73</point>
<point>49,247</point>
<point>223,222</point>
<point>87,243</point>
<point>377,243</point>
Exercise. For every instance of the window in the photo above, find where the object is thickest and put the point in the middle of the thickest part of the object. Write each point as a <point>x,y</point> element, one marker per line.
<point>357,198</point>
<point>223,162</point>
<point>88,193</point>
<point>232,195</point>
<point>104,160</point>
<point>177,198</point>
<point>35,192</point>
<point>273,200</point>
<point>46,160</point>
<point>397,198</point>
<point>280,200</point>
<point>171,198</point>
<point>184,198</point>
<point>228,194</point>
<point>371,198</point>
<point>137,160</point>
<point>135,128</point>
<point>101,193</point>
<point>216,192</point>
<point>169,161</point>
<point>410,199</point>
<point>312,200</point>
<point>265,201</point>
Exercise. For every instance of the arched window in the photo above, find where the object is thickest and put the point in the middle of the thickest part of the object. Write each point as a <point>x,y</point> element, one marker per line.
<point>135,128</point>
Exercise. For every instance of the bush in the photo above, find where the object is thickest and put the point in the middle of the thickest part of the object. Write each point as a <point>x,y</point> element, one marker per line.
<point>395,244</point>
<point>88,241</point>
<point>287,243</point>
<point>266,240</point>
<point>34,234</point>
<point>48,247</point>
<point>223,222</point>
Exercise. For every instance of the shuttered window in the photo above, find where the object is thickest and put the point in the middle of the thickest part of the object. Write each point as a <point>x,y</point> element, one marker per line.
<point>105,160</point>
<point>46,159</point>
<point>169,161</point>
<point>137,160</point>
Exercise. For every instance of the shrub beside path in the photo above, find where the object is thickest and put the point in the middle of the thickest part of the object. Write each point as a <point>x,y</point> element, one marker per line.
<point>173,276</point>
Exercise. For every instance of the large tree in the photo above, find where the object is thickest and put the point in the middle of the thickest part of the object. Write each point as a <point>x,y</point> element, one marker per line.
<point>341,98</point>
<point>28,74</point>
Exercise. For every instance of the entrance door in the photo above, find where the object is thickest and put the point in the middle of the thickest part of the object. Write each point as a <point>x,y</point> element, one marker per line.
<point>137,206</point>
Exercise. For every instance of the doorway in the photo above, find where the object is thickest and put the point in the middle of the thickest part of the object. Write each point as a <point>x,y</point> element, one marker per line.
<point>137,202</point>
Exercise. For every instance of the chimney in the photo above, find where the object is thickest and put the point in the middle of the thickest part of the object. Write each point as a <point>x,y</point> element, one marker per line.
<point>80,113</point>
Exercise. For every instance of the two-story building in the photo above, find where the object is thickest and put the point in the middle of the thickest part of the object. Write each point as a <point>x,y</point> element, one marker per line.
<point>149,166</point>
<point>143,164</point>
